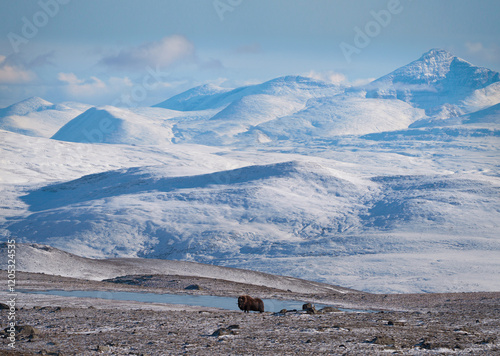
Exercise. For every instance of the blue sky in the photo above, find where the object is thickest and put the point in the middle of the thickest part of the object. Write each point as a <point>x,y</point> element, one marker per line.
<point>102,52</point>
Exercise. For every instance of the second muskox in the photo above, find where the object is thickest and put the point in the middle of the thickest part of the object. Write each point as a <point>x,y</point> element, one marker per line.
<point>247,303</point>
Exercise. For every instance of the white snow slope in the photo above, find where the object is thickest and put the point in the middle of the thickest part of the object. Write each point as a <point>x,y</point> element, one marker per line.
<point>293,176</point>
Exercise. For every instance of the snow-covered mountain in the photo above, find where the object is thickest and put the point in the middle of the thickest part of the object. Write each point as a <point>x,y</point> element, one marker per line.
<point>390,187</point>
<point>38,117</point>
<point>440,83</point>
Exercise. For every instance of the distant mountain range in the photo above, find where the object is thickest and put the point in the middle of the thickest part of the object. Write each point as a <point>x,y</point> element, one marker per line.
<point>436,87</point>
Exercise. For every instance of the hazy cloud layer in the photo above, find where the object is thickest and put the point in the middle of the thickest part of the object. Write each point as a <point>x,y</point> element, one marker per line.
<point>93,86</point>
<point>13,74</point>
<point>163,53</point>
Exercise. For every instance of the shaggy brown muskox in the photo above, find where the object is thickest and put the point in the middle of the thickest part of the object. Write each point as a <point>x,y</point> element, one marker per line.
<point>247,303</point>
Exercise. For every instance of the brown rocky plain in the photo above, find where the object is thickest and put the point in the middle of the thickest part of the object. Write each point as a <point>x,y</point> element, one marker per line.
<point>399,324</point>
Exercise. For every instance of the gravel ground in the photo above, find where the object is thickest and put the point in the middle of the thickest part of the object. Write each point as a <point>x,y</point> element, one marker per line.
<point>410,324</point>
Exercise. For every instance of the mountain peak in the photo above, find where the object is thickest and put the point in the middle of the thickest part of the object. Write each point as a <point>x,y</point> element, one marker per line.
<point>429,68</point>
<point>437,53</point>
<point>435,79</point>
<point>437,65</point>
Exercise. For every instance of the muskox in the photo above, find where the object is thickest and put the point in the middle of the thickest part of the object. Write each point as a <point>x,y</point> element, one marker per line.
<point>247,303</point>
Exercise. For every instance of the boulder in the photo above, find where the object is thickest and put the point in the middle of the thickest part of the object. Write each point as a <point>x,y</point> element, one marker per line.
<point>24,331</point>
<point>222,332</point>
<point>329,310</point>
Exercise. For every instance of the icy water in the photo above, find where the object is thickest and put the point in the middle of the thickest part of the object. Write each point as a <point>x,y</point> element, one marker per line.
<point>271,305</point>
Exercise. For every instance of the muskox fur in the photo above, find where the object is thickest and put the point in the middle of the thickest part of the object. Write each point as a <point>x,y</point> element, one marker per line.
<point>247,303</point>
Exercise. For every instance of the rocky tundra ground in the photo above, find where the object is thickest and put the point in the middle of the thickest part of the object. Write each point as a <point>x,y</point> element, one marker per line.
<point>404,324</point>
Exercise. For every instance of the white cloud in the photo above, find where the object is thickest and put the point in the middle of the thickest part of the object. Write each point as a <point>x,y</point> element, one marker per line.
<point>69,78</point>
<point>120,82</point>
<point>329,77</point>
<point>361,82</point>
<point>474,47</point>
<point>161,53</point>
<point>93,86</point>
<point>489,53</point>
<point>338,78</point>
<point>12,74</point>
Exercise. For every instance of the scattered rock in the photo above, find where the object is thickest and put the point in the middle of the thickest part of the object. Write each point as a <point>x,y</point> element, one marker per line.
<point>312,311</point>
<point>102,348</point>
<point>193,287</point>
<point>422,343</point>
<point>24,331</point>
<point>230,330</point>
<point>382,340</point>
<point>329,310</point>
<point>396,323</point>
<point>222,332</point>
<point>488,340</point>
<point>50,353</point>
<point>6,307</point>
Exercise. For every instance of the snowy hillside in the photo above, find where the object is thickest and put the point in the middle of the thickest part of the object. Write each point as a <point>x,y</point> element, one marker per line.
<point>392,187</point>
<point>45,259</point>
<point>259,217</point>
<point>38,117</point>
<point>341,115</point>
<point>490,115</point>
<point>244,207</point>
<point>238,118</point>
<point>488,118</point>
<point>114,125</point>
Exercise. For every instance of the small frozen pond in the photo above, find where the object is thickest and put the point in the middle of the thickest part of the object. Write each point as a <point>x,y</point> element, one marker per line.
<point>271,305</point>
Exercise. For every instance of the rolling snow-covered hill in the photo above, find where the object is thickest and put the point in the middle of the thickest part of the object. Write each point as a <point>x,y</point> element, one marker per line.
<point>390,187</point>
<point>115,125</point>
<point>38,117</point>
<point>212,97</point>
<point>340,115</point>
